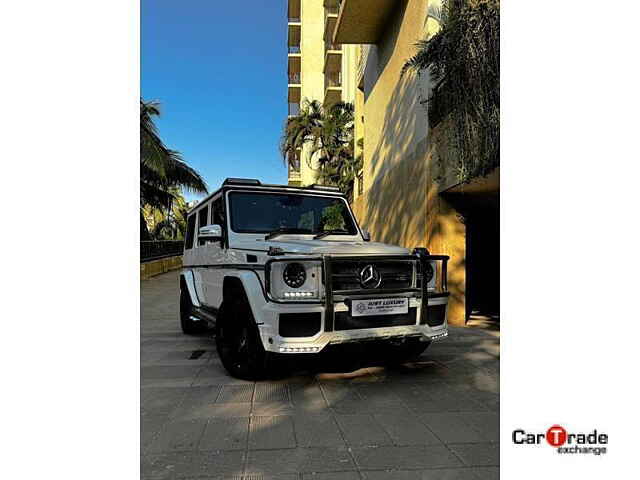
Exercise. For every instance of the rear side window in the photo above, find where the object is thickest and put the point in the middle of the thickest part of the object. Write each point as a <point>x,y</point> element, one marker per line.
<point>203,217</point>
<point>203,220</point>
<point>218,212</point>
<point>191,227</point>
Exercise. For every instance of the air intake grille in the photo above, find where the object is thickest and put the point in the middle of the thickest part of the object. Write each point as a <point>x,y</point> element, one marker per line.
<point>435,315</point>
<point>299,324</point>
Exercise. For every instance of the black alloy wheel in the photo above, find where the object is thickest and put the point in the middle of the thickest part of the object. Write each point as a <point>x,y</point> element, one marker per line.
<point>238,342</point>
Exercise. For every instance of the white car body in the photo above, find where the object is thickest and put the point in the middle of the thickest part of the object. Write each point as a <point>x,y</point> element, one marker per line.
<point>256,262</point>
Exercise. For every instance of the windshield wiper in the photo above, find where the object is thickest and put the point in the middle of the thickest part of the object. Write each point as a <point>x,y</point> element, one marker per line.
<point>286,230</point>
<point>326,233</point>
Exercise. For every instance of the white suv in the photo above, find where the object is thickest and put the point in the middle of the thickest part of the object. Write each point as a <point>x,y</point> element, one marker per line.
<point>281,270</point>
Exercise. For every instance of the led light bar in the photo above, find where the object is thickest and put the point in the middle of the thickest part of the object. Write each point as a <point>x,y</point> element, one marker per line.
<point>440,336</point>
<point>299,294</point>
<point>299,349</point>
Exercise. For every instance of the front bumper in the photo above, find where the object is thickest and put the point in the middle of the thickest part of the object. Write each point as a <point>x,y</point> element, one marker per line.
<point>274,342</point>
<point>335,324</point>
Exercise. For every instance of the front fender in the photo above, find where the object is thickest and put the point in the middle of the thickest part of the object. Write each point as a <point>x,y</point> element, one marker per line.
<point>187,276</point>
<point>254,290</point>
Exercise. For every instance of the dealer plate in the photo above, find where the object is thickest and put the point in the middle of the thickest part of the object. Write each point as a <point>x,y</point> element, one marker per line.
<point>379,306</point>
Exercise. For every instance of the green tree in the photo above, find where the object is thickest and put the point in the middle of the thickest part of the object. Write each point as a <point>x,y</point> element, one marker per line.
<point>463,60</point>
<point>163,172</point>
<point>167,224</point>
<point>329,132</point>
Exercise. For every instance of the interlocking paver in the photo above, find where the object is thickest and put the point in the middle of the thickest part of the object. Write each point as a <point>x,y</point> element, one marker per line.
<point>478,454</point>
<point>405,430</point>
<point>464,427</point>
<point>373,423</point>
<point>434,474</point>
<point>178,435</point>
<point>406,457</point>
<point>271,432</point>
<point>317,431</point>
<point>269,392</point>
<point>300,460</point>
<point>236,394</point>
<point>223,433</point>
<point>331,476</point>
<point>362,430</point>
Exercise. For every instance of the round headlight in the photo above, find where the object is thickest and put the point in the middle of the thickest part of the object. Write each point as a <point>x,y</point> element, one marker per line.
<point>294,275</point>
<point>428,273</point>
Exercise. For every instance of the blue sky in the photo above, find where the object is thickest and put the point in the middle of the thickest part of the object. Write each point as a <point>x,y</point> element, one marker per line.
<point>219,70</point>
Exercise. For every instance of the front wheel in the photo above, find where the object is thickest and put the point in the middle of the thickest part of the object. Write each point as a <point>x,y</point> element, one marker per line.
<point>238,342</point>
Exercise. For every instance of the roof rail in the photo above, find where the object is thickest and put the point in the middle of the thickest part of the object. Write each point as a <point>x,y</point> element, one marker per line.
<point>241,181</point>
<point>329,188</point>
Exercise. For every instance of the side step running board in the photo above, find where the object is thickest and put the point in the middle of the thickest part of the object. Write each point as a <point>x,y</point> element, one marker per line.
<point>207,314</point>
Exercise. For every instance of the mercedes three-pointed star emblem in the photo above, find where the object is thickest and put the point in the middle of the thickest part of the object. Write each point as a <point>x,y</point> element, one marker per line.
<point>370,277</point>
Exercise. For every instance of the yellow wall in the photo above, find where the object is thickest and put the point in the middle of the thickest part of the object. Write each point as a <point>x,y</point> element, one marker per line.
<point>157,267</point>
<point>400,203</point>
<point>312,76</point>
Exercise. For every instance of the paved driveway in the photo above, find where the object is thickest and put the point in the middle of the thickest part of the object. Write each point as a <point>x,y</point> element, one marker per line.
<point>435,419</point>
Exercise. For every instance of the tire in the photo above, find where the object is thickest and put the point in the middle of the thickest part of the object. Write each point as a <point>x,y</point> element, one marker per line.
<point>189,326</point>
<point>406,352</point>
<point>238,342</point>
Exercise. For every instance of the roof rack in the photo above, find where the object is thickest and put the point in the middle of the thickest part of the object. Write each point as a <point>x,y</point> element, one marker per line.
<point>329,188</point>
<point>241,181</point>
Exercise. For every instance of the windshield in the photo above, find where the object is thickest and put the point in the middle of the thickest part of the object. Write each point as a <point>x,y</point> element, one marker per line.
<point>271,212</point>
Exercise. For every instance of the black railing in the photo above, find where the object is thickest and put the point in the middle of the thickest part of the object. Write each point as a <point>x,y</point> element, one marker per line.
<point>295,79</point>
<point>160,249</point>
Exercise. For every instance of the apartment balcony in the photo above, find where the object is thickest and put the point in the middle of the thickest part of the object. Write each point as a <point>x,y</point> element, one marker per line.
<point>362,21</point>
<point>294,109</point>
<point>330,19</point>
<point>294,86</point>
<point>332,88</point>
<point>293,11</point>
<point>293,35</point>
<point>332,57</point>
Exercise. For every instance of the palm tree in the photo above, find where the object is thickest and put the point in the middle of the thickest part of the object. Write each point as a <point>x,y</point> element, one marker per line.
<point>161,169</point>
<point>329,132</point>
<point>168,224</point>
<point>463,60</point>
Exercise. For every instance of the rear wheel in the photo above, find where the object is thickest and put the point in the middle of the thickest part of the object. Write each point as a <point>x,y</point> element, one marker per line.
<point>189,326</point>
<point>238,342</point>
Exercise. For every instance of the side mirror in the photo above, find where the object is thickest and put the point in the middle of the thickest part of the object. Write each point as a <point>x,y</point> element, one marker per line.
<point>210,232</point>
<point>366,236</point>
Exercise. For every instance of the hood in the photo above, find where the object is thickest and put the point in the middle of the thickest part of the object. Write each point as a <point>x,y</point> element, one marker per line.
<point>319,247</point>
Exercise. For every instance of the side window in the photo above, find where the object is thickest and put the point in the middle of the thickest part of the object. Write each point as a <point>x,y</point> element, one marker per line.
<point>218,212</point>
<point>218,217</point>
<point>191,228</point>
<point>203,220</point>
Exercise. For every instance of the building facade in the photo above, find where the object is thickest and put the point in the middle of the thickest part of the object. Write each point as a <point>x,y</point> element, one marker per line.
<point>405,194</point>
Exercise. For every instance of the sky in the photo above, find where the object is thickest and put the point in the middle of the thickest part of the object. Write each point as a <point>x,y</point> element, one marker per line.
<point>218,68</point>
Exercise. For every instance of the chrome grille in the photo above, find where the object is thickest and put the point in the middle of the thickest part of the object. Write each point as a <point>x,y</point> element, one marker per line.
<point>345,274</point>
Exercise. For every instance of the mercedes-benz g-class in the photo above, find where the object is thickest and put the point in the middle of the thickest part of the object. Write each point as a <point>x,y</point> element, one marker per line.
<point>281,270</point>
